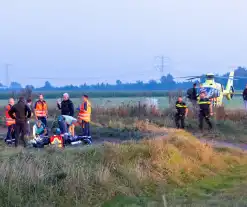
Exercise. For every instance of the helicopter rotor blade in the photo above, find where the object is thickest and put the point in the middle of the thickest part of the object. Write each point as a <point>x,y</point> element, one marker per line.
<point>240,77</point>
<point>222,77</point>
<point>190,77</point>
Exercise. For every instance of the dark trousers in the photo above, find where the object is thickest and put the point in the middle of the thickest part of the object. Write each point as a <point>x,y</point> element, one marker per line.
<point>86,129</point>
<point>204,115</point>
<point>63,126</point>
<point>11,132</point>
<point>20,133</point>
<point>179,118</point>
<point>43,119</point>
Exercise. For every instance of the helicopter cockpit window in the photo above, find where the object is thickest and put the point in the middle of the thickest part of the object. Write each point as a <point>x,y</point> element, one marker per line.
<point>210,77</point>
<point>211,92</point>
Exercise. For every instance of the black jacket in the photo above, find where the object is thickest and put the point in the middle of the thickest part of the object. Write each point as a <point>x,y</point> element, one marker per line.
<point>181,107</point>
<point>67,108</point>
<point>245,94</point>
<point>194,94</point>
<point>22,112</point>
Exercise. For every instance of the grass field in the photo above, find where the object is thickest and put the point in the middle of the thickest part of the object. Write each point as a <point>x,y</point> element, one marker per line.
<point>236,103</point>
<point>155,164</point>
<point>175,167</point>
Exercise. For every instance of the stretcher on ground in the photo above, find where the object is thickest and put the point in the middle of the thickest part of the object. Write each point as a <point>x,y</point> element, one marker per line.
<point>42,141</point>
<point>67,140</point>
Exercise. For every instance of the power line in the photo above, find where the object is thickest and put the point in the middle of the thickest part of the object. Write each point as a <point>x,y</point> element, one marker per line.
<point>165,63</point>
<point>7,74</point>
<point>127,74</point>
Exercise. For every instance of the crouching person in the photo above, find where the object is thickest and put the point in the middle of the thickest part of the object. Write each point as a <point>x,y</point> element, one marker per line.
<point>67,124</point>
<point>39,129</point>
<point>40,135</point>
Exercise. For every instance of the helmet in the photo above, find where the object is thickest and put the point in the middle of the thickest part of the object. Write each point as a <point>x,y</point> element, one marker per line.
<point>58,131</point>
<point>60,118</point>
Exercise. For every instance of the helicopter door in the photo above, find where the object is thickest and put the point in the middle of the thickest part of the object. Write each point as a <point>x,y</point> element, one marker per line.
<point>212,92</point>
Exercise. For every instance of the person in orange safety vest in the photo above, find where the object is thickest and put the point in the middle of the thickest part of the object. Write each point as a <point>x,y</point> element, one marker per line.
<point>41,110</point>
<point>10,123</point>
<point>84,117</point>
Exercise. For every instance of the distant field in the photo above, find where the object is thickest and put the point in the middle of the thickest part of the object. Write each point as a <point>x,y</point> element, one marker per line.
<point>163,102</point>
<point>98,94</point>
<point>92,94</point>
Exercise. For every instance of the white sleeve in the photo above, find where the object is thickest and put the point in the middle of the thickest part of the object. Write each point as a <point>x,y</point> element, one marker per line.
<point>34,130</point>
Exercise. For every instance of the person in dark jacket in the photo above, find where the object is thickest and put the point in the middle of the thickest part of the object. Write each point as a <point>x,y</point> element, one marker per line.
<point>194,94</point>
<point>66,106</point>
<point>182,112</point>
<point>205,111</point>
<point>21,113</point>
<point>245,97</point>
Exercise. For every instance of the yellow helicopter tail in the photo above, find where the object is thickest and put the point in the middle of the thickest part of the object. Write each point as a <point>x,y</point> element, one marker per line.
<point>229,90</point>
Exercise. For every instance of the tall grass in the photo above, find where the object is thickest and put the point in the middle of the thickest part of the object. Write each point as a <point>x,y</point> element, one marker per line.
<point>130,173</point>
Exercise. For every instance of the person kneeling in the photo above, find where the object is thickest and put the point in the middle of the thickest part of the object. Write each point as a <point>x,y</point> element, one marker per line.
<point>67,124</point>
<point>40,135</point>
<point>39,129</point>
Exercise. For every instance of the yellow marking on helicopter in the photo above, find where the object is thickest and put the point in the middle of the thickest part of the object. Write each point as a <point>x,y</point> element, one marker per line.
<point>215,91</point>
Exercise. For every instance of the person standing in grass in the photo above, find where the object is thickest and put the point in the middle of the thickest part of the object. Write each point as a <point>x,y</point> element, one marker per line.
<point>245,97</point>
<point>206,110</point>
<point>41,110</point>
<point>182,112</point>
<point>84,117</point>
<point>66,106</point>
<point>21,113</point>
<point>10,123</point>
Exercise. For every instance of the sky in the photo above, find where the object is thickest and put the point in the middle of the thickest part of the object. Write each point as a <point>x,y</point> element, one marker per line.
<point>81,41</point>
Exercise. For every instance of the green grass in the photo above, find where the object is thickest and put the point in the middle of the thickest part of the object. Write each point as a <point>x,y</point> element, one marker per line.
<point>128,174</point>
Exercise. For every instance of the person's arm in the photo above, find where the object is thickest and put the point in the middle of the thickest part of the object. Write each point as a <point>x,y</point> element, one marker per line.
<point>186,109</point>
<point>78,108</point>
<point>244,93</point>
<point>71,108</point>
<point>11,112</point>
<point>211,109</point>
<point>85,106</point>
<point>59,105</point>
<point>28,111</point>
<point>46,110</point>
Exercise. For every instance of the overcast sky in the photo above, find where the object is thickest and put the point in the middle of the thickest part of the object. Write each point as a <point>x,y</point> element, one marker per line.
<point>107,40</point>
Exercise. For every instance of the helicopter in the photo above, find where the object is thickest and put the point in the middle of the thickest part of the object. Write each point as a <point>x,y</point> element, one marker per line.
<point>215,91</point>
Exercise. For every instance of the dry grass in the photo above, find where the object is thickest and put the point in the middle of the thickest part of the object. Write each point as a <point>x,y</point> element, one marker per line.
<point>91,176</point>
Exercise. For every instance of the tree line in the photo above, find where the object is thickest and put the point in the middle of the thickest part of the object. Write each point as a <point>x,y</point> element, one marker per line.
<point>165,83</point>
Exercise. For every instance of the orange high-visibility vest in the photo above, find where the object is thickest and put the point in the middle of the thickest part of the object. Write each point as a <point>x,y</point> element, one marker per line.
<point>9,120</point>
<point>85,114</point>
<point>40,108</point>
<point>57,140</point>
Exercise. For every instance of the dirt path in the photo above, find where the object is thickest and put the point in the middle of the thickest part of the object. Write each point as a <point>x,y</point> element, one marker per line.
<point>101,140</point>
<point>224,144</point>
